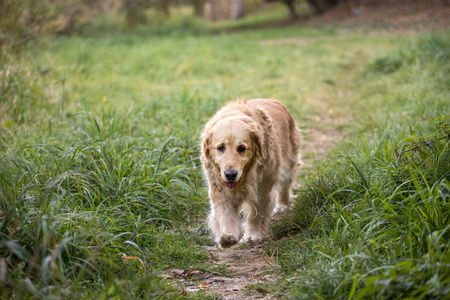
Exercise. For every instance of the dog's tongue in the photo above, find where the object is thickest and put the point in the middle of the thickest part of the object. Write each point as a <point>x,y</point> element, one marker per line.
<point>231,185</point>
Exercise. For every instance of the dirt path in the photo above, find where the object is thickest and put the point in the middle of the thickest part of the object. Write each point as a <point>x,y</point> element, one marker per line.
<point>247,267</point>
<point>403,15</point>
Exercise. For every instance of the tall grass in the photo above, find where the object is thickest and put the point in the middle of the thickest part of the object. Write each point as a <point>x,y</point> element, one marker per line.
<point>375,223</point>
<point>85,208</point>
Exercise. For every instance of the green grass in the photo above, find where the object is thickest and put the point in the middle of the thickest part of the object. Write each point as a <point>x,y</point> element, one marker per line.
<point>99,158</point>
<point>374,223</point>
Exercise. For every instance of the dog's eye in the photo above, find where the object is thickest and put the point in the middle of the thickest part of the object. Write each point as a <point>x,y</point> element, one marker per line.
<point>241,149</point>
<point>221,148</point>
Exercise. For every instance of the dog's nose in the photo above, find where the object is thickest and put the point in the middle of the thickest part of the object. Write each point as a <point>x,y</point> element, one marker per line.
<point>230,174</point>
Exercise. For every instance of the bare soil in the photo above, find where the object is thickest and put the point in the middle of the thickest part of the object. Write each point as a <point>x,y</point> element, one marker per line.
<point>247,266</point>
<point>416,15</point>
<point>390,15</point>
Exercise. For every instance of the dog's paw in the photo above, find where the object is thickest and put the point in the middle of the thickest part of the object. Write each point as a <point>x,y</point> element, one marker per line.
<point>227,240</point>
<point>251,238</point>
<point>280,208</point>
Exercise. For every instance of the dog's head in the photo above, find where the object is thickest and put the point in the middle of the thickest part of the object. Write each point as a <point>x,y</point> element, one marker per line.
<point>233,145</point>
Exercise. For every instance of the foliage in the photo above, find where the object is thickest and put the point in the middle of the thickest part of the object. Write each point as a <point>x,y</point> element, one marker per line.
<point>25,21</point>
<point>20,20</point>
<point>380,226</point>
<point>98,195</point>
<point>135,10</point>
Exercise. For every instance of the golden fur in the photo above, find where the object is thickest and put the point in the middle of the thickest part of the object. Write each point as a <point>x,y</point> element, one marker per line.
<point>250,158</point>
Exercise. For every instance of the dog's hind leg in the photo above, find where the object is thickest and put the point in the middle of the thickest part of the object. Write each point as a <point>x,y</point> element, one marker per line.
<point>288,174</point>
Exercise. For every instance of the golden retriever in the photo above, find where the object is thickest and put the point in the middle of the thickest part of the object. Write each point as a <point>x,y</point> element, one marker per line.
<point>250,158</point>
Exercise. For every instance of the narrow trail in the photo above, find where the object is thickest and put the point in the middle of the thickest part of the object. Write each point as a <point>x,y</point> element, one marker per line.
<point>247,267</point>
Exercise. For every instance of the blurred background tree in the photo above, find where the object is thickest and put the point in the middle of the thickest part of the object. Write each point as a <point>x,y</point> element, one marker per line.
<point>135,11</point>
<point>21,20</point>
<point>198,7</point>
<point>237,9</point>
<point>321,6</point>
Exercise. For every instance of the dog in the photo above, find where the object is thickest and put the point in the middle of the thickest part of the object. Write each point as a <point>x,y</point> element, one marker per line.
<point>250,155</point>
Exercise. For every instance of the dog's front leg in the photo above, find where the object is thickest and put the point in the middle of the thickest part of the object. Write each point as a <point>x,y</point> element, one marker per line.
<point>257,218</point>
<point>224,222</point>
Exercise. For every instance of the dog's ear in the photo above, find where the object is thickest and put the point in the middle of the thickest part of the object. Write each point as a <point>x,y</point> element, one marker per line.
<point>261,129</point>
<point>206,145</point>
<point>263,118</point>
<point>257,144</point>
<point>257,135</point>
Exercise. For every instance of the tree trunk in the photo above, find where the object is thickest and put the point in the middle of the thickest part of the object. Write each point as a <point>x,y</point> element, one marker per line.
<point>320,6</point>
<point>237,9</point>
<point>163,6</point>
<point>291,6</point>
<point>214,8</point>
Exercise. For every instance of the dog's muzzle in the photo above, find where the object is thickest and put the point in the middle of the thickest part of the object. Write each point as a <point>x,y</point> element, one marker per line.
<point>230,175</point>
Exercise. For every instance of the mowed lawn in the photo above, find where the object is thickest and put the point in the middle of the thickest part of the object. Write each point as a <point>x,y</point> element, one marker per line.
<point>102,189</point>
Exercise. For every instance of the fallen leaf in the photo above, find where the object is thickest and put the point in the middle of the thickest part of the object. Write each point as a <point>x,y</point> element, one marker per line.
<point>257,245</point>
<point>126,258</point>
<point>261,290</point>
<point>177,272</point>
<point>191,272</point>
<point>215,279</point>
<point>211,253</point>
<point>203,285</point>
<point>192,289</point>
